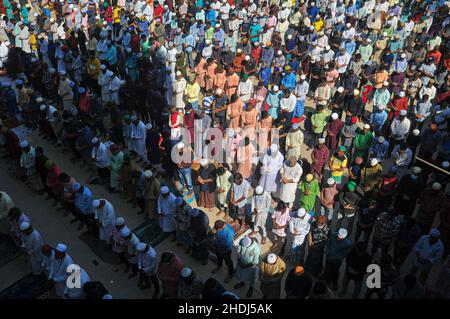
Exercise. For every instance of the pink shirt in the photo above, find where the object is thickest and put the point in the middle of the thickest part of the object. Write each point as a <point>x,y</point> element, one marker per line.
<point>282,219</point>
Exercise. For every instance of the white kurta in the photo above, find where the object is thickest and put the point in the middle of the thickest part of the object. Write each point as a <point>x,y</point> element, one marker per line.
<point>178,89</point>
<point>114,86</point>
<point>106,217</point>
<point>299,228</point>
<point>166,210</point>
<point>32,244</point>
<point>104,80</point>
<point>77,293</point>
<point>261,204</point>
<point>271,165</point>
<point>58,273</point>
<point>287,191</point>
<point>138,135</point>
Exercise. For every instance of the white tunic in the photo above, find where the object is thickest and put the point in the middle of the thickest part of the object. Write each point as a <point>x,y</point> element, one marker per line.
<point>100,155</point>
<point>299,228</point>
<point>32,244</point>
<point>106,217</point>
<point>77,293</point>
<point>166,210</point>
<point>178,89</point>
<point>271,165</point>
<point>287,191</point>
<point>137,142</point>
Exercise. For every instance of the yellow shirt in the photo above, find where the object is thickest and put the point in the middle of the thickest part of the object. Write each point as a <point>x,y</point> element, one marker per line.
<point>318,25</point>
<point>116,15</point>
<point>338,164</point>
<point>192,91</point>
<point>33,42</point>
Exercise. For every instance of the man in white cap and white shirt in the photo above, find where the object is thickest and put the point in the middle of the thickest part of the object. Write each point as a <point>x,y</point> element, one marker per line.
<point>137,138</point>
<point>290,175</point>
<point>131,240</point>
<point>166,210</point>
<point>104,80</point>
<point>248,253</point>
<point>271,164</point>
<point>261,203</point>
<point>58,271</point>
<point>32,245</point>
<point>190,285</point>
<point>294,141</point>
<point>179,86</point>
<point>399,130</point>
<point>76,292</point>
<point>117,241</point>
<point>100,155</point>
<point>147,263</point>
<point>105,215</point>
<point>299,226</point>
<point>337,249</point>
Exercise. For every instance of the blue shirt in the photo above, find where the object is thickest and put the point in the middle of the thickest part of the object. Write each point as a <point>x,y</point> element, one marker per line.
<point>224,238</point>
<point>288,81</point>
<point>378,150</point>
<point>378,119</point>
<point>83,201</point>
<point>111,55</point>
<point>265,75</point>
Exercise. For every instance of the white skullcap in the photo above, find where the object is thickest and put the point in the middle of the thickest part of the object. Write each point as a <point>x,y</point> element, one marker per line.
<point>94,140</point>
<point>256,43</point>
<point>386,83</point>
<point>52,20</point>
<point>42,107</point>
<point>301,212</point>
<point>141,247</point>
<point>102,67</point>
<point>348,25</point>
<point>373,161</point>
<point>321,140</point>
<point>436,186</point>
<point>366,126</point>
<point>178,73</point>
<point>165,190</point>
<point>259,190</point>
<point>186,272</point>
<point>180,146</point>
<point>381,107</point>
<point>61,248</point>
<point>62,72</point>
<point>340,89</point>
<point>289,36</point>
<point>271,258</point>
<point>401,94</point>
<point>327,47</point>
<point>403,112</point>
<point>96,203</point>
<point>302,77</point>
<point>403,55</point>
<point>203,162</point>
<point>276,88</point>
<point>416,170</point>
<point>331,181</point>
<point>109,73</point>
<point>416,132</point>
<point>239,50</point>
<point>445,164</point>
<point>334,116</point>
<point>342,233</point>
<point>24,144</point>
<point>355,92</point>
<point>125,232</point>
<point>246,241</point>
<point>148,173</point>
<point>247,58</point>
<point>219,91</point>
<point>209,42</point>
<point>381,139</point>
<point>133,117</point>
<point>148,126</point>
<point>24,226</point>
<point>279,52</point>
<point>120,221</point>
<point>39,99</point>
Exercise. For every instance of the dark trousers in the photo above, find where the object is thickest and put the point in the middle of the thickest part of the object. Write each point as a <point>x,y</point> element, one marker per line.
<point>147,280</point>
<point>331,273</point>
<point>367,231</point>
<point>221,257</point>
<point>380,292</point>
<point>350,222</point>
<point>377,244</point>
<point>200,250</point>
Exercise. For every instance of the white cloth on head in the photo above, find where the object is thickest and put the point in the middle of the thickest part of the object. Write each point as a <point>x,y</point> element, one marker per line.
<point>288,191</point>
<point>166,209</point>
<point>271,165</point>
<point>106,216</point>
<point>32,244</point>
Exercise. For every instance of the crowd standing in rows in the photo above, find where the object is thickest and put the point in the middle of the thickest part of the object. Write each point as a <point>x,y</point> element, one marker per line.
<point>334,116</point>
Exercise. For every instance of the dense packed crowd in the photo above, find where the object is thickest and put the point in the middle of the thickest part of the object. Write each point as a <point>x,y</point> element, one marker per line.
<point>318,128</point>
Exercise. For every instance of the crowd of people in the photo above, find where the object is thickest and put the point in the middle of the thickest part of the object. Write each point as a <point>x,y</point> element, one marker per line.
<point>319,128</point>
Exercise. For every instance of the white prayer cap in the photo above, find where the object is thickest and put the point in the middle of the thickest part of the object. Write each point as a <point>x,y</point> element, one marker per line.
<point>76,187</point>
<point>331,181</point>
<point>179,201</point>
<point>219,91</point>
<point>52,20</point>
<point>279,52</point>
<point>24,144</point>
<point>259,190</point>
<point>340,89</point>
<point>239,51</point>
<point>381,107</point>
<point>381,139</point>
<point>71,6</point>
<point>355,92</point>
<point>416,132</point>
<point>256,43</point>
<point>133,117</point>
<point>24,226</point>
<point>401,94</point>
<point>96,203</point>
<point>348,25</point>
<point>122,82</point>
<point>366,126</point>
<point>386,83</point>
<point>276,88</point>
<point>52,70</point>
<point>178,73</point>
<point>141,247</point>
<point>148,126</point>
<point>165,190</point>
<point>105,23</point>
<point>217,26</point>
<point>403,55</point>
<point>385,34</point>
<point>128,50</point>
<point>209,42</point>
<point>125,232</point>
<point>302,77</point>
<point>274,147</point>
<point>186,272</point>
<point>139,54</point>
<point>301,212</point>
<point>327,47</point>
<point>295,126</point>
<point>369,62</point>
<point>61,248</point>
<point>271,258</point>
<point>436,186</point>
<point>39,99</point>
<point>403,112</point>
<point>203,162</point>
<point>445,164</point>
<point>368,40</point>
<point>289,36</point>
<point>247,58</point>
<point>246,241</point>
<point>321,140</point>
<point>435,233</point>
<point>102,67</point>
<point>42,107</point>
<point>62,72</point>
<point>230,132</point>
<point>148,173</point>
<point>180,146</point>
<point>342,233</point>
<point>107,297</point>
<point>94,140</point>
<point>109,73</point>
<point>195,212</point>
<point>373,161</point>
<point>334,116</point>
<point>311,28</point>
<point>416,170</point>
<point>120,221</point>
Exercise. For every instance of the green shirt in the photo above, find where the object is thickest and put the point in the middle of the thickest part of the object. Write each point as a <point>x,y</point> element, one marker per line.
<point>319,120</point>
